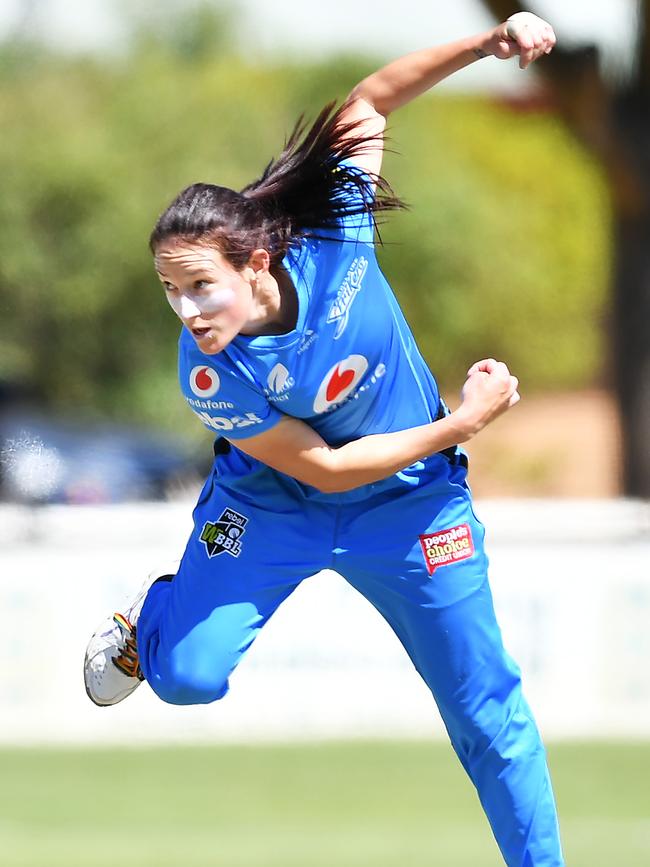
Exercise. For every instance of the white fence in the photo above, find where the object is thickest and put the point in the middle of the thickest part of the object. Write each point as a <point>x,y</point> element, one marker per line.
<point>571,582</point>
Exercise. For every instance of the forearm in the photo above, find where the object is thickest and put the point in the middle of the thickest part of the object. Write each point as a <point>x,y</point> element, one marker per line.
<point>378,456</point>
<point>296,449</point>
<point>406,78</point>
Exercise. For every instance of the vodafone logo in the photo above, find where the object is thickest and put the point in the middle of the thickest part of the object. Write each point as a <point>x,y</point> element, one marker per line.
<point>339,382</point>
<point>204,381</point>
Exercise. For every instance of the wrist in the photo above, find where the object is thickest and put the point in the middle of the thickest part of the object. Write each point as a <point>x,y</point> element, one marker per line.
<point>482,45</point>
<point>464,423</point>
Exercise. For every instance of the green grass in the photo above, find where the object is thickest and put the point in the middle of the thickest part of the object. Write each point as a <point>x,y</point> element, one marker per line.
<point>349,804</point>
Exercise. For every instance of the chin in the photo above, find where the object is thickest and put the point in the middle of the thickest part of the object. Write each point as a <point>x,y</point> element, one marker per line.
<point>210,345</point>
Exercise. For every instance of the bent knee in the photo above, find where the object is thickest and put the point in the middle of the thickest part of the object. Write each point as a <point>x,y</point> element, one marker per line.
<point>184,684</point>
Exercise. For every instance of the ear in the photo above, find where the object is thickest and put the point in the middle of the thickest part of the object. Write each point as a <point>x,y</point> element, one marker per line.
<point>259,260</point>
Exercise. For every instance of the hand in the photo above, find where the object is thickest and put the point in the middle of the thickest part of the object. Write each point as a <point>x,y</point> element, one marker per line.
<point>489,391</point>
<point>523,34</point>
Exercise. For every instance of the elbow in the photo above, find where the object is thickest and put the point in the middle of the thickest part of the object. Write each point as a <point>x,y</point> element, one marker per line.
<point>332,485</point>
<point>364,91</point>
<point>342,481</point>
<point>359,92</point>
<point>332,481</point>
<point>329,472</point>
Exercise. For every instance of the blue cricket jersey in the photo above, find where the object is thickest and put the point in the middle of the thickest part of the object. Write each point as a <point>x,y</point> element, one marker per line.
<point>350,367</point>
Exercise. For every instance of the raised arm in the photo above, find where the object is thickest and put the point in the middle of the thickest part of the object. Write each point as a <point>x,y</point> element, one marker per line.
<point>524,35</point>
<point>294,448</point>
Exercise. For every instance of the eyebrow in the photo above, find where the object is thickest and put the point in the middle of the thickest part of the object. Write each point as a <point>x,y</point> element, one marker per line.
<point>191,272</point>
<point>194,269</point>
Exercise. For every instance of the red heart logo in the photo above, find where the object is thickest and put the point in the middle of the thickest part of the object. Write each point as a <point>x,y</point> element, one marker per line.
<point>338,383</point>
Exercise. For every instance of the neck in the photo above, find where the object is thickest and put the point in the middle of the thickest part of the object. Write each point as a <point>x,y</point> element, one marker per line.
<point>276,303</point>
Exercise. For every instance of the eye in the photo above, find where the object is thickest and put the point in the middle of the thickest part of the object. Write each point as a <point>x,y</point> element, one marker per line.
<point>200,284</point>
<point>168,287</point>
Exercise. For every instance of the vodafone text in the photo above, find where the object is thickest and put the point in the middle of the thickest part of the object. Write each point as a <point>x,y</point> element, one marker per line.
<point>209,404</point>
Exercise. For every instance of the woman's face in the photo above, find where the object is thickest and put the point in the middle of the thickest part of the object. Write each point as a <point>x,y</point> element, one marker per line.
<point>211,298</point>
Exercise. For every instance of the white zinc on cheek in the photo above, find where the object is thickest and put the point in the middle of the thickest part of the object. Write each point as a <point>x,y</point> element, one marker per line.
<point>189,304</point>
<point>215,300</point>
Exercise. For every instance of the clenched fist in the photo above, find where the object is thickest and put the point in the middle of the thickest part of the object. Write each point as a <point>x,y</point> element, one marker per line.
<point>523,34</point>
<point>490,389</point>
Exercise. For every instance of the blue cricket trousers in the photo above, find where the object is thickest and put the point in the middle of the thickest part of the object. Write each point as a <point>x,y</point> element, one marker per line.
<point>414,548</point>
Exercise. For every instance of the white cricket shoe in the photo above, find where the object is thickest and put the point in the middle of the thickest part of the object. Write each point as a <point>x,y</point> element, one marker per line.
<point>111,666</point>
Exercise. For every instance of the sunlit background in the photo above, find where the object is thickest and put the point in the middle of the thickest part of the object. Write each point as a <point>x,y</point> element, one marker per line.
<point>526,239</point>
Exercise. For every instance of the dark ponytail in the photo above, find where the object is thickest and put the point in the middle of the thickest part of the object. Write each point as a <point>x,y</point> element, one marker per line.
<point>310,186</point>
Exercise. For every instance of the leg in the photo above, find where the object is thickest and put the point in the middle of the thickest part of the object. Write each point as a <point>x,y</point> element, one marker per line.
<point>255,538</point>
<point>193,632</point>
<point>242,560</point>
<point>441,610</point>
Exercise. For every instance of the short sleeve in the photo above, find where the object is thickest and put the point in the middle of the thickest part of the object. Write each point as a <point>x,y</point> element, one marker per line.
<point>223,395</point>
<point>359,227</point>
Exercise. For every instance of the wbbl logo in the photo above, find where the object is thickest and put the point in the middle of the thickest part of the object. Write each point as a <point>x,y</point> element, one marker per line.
<point>224,534</point>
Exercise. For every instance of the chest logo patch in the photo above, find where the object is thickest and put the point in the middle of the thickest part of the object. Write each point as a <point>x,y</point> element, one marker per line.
<point>447,546</point>
<point>225,534</point>
<point>204,381</point>
<point>339,382</point>
<point>348,291</point>
<point>279,383</point>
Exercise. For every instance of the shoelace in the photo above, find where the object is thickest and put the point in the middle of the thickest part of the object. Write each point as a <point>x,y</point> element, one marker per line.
<point>127,660</point>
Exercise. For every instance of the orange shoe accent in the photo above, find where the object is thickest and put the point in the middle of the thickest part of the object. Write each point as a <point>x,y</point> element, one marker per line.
<point>127,660</point>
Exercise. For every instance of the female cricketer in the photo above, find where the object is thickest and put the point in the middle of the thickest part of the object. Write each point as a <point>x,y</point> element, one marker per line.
<point>333,448</point>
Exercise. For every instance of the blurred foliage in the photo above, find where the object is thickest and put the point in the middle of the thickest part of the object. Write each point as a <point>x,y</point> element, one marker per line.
<point>505,251</point>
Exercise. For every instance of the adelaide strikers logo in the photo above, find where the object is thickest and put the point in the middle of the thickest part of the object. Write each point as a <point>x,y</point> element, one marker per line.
<point>224,534</point>
<point>204,381</point>
<point>339,382</point>
<point>348,291</point>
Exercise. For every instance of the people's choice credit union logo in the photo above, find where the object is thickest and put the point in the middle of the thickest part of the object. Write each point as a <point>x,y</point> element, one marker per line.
<point>340,381</point>
<point>447,546</point>
<point>204,381</point>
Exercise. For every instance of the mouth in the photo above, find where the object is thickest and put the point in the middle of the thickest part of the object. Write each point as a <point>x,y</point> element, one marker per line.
<point>199,333</point>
